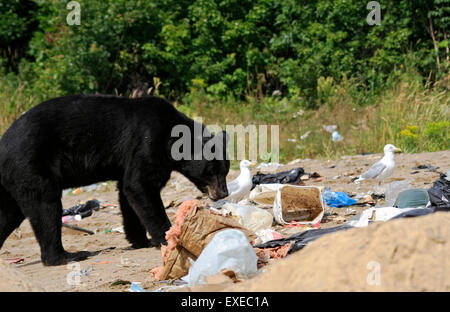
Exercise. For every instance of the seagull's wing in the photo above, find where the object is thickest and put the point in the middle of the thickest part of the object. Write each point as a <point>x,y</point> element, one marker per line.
<point>374,171</point>
<point>233,186</point>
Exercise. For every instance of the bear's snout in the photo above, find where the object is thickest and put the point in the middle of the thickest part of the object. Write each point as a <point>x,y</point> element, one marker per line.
<point>216,192</point>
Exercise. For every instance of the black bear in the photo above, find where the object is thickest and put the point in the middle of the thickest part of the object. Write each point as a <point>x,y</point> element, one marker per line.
<point>78,140</point>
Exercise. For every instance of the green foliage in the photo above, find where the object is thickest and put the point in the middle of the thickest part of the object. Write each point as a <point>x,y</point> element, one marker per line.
<point>17,21</point>
<point>438,134</point>
<point>409,138</point>
<point>237,49</point>
<point>435,135</point>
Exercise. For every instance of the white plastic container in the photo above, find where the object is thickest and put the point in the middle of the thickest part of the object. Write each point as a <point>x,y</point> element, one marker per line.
<point>306,206</point>
<point>303,204</point>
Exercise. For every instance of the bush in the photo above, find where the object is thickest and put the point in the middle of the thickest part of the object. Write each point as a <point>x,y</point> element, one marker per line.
<point>237,48</point>
<point>437,135</point>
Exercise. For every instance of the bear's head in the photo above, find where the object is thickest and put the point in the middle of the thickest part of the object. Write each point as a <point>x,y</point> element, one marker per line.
<point>208,170</point>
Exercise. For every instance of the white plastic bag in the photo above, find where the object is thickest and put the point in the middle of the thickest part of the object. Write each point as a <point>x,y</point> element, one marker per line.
<point>266,235</point>
<point>377,214</point>
<point>250,217</point>
<point>229,249</point>
<point>264,194</point>
<point>268,167</point>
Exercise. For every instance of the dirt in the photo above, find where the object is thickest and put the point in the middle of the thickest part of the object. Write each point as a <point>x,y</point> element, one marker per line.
<point>300,206</point>
<point>116,265</point>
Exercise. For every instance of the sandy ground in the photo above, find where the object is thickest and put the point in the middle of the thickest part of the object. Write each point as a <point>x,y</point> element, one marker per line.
<point>399,255</point>
<point>116,265</point>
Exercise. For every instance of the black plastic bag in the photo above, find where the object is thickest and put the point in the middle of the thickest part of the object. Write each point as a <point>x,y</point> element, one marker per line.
<point>85,210</point>
<point>303,238</point>
<point>439,193</point>
<point>286,177</point>
<point>418,212</point>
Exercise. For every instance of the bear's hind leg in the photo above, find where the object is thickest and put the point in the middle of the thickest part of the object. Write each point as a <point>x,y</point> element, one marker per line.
<point>45,219</point>
<point>10,217</point>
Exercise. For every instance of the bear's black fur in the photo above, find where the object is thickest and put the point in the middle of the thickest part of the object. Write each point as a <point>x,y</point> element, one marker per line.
<point>78,140</point>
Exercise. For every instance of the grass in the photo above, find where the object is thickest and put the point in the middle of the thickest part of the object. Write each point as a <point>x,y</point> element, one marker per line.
<point>15,98</point>
<point>408,114</point>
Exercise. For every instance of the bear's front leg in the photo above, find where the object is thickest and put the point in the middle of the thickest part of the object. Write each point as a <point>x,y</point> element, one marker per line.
<point>146,203</point>
<point>135,231</point>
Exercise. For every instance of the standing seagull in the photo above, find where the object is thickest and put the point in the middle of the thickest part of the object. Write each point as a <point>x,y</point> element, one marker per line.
<point>240,186</point>
<point>383,168</point>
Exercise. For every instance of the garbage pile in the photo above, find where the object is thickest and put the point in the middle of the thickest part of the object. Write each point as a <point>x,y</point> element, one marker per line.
<point>232,241</point>
<point>409,203</point>
<point>194,228</point>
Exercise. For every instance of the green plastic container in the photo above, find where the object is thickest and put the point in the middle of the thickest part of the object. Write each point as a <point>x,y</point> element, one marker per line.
<point>412,198</point>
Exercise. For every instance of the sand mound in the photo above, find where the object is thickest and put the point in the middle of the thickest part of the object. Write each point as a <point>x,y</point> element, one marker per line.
<point>11,280</point>
<point>411,254</point>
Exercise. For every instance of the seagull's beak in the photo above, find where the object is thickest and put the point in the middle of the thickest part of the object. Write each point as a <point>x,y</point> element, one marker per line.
<point>397,150</point>
<point>252,165</point>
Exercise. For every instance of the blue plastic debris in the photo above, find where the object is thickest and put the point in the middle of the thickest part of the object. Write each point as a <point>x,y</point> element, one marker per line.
<point>135,287</point>
<point>337,199</point>
<point>336,137</point>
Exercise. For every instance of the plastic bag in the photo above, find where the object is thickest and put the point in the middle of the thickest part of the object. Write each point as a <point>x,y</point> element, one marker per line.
<point>85,210</point>
<point>135,287</point>
<point>252,218</point>
<point>266,235</point>
<point>439,193</point>
<point>337,199</point>
<point>336,137</point>
<point>329,128</point>
<point>384,214</point>
<point>394,189</point>
<point>286,177</point>
<point>269,167</point>
<point>229,249</point>
<point>299,240</point>
<point>194,228</point>
<point>264,194</point>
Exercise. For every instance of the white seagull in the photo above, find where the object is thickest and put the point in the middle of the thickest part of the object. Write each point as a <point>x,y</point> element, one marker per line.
<point>240,186</point>
<point>383,168</point>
